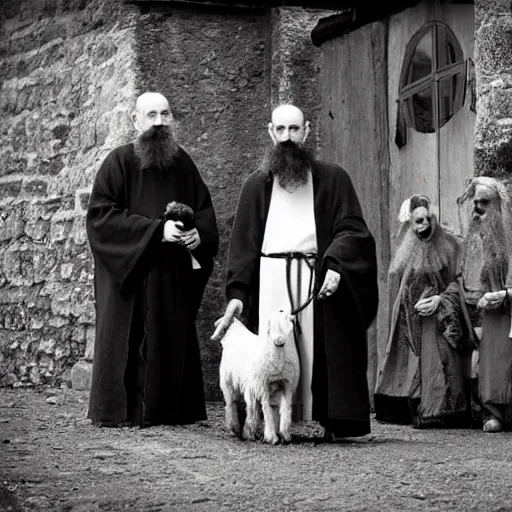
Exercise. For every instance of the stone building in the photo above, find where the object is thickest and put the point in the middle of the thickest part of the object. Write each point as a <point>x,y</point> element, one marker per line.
<point>71,69</point>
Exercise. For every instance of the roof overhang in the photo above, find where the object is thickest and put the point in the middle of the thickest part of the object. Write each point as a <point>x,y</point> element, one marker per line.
<point>360,13</point>
<point>334,5</point>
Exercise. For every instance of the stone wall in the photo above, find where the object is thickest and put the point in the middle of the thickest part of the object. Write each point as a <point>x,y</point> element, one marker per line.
<point>67,79</point>
<point>296,64</point>
<point>71,71</point>
<point>493,62</point>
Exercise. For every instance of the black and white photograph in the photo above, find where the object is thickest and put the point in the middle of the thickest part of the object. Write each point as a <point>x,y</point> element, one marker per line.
<point>255,255</point>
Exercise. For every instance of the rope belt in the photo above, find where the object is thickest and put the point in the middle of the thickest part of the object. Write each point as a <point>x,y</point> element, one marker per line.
<point>310,258</point>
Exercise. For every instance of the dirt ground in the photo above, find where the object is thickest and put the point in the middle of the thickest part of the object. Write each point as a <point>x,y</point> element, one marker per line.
<point>53,459</point>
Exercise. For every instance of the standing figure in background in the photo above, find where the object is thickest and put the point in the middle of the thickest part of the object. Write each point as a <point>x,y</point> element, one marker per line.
<point>150,269</point>
<point>486,285</point>
<point>298,221</point>
<point>421,378</point>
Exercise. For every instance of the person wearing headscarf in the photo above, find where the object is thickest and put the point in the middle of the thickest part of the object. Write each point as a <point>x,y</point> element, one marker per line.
<point>420,379</point>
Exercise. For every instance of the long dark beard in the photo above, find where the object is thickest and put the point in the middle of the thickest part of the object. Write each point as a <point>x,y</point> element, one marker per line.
<point>289,163</point>
<point>486,260</point>
<point>156,148</point>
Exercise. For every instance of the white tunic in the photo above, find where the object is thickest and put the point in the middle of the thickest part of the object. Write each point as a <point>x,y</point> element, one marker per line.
<point>290,227</point>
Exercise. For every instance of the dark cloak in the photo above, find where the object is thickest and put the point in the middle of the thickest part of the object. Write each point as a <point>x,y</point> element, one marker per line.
<point>421,378</point>
<point>339,384</point>
<point>146,290</point>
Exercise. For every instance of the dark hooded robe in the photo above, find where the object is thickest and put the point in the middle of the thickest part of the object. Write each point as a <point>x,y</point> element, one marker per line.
<point>146,366</point>
<point>345,245</point>
<point>421,379</point>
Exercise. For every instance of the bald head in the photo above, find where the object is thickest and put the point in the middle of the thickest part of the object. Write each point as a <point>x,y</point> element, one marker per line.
<point>289,113</point>
<point>288,124</point>
<point>149,99</point>
<point>151,109</point>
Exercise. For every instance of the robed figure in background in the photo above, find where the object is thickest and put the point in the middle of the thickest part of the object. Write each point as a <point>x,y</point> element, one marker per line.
<point>486,285</point>
<point>421,376</point>
<point>150,273</point>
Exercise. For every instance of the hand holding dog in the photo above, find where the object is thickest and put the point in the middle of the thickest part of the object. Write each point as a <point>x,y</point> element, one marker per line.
<point>173,231</point>
<point>190,239</point>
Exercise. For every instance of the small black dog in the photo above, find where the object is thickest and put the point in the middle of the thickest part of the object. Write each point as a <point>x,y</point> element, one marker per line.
<point>180,212</point>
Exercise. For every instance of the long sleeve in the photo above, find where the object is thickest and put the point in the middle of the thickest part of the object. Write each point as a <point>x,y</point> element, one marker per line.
<point>205,219</point>
<point>352,251</point>
<point>246,238</point>
<point>121,241</point>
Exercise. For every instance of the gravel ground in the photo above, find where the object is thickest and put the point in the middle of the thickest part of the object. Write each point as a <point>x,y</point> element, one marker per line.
<point>53,459</point>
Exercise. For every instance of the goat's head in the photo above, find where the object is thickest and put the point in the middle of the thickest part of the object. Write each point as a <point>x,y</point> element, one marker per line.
<point>280,327</point>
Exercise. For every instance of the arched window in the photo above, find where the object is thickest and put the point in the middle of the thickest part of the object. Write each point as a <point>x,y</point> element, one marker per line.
<point>433,79</point>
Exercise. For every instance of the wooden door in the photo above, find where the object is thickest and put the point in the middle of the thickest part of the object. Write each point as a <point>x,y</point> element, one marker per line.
<point>455,138</point>
<point>430,105</point>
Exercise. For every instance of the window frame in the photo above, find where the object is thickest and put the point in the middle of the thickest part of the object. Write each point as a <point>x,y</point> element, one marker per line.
<point>407,90</point>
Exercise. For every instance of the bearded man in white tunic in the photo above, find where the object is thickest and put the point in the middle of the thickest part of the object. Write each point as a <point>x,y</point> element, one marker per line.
<point>291,228</point>
<point>299,244</point>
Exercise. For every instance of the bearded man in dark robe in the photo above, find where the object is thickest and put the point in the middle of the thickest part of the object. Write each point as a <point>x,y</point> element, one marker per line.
<point>299,243</point>
<point>487,289</point>
<point>421,376</point>
<point>151,269</point>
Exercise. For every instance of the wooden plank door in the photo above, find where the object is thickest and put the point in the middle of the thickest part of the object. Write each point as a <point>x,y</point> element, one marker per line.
<point>455,138</point>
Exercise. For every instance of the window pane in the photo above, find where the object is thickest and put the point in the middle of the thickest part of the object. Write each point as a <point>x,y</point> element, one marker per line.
<point>446,53</point>
<point>451,91</point>
<point>419,111</point>
<point>421,62</point>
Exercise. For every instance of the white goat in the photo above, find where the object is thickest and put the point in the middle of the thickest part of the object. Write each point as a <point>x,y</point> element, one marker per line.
<point>262,368</point>
<point>265,369</point>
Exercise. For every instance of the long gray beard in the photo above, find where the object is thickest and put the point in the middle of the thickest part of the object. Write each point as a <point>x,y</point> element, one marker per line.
<point>156,148</point>
<point>486,260</point>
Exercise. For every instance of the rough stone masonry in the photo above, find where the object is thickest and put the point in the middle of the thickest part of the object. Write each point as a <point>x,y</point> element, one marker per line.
<point>493,59</point>
<point>70,71</point>
<point>67,79</point>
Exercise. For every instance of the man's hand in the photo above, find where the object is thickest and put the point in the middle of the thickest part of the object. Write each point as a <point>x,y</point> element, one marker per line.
<point>428,306</point>
<point>331,283</point>
<point>172,231</point>
<point>190,239</point>
<point>492,300</point>
<point>234,308</point>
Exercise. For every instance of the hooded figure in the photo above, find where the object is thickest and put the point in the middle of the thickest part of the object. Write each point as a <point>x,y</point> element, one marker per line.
<point>420,379</point>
